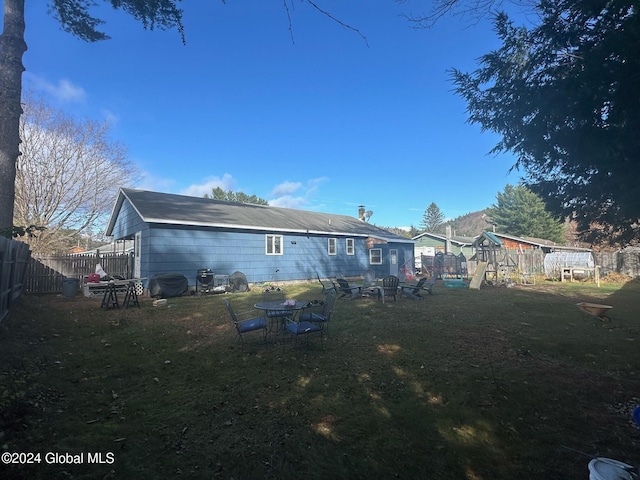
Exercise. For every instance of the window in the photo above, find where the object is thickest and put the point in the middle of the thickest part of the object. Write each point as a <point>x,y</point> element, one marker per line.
<point>351,249</point>
<point>274,244</point>
<point>332,246</point>
<point>375,256</point>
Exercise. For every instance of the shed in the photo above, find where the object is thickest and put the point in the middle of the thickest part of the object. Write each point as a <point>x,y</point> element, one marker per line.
<point>182,234</point>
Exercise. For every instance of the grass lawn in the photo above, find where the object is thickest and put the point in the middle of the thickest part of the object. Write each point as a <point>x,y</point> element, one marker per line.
<point>500,383</point>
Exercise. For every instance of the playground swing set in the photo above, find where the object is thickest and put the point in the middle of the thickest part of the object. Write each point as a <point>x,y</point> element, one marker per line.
<point>495,265</point>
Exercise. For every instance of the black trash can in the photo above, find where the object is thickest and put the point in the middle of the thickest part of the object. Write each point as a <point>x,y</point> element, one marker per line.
<point>70,287</point>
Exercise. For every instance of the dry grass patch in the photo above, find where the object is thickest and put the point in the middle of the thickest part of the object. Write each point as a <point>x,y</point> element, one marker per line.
<point>489,384</point>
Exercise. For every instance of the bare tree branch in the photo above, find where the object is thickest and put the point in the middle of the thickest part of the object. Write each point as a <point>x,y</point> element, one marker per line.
<point>286,8</point>
<point>472,9</point>
<point>67,175</point>
<point>327,14</point>
<point>338,21</point>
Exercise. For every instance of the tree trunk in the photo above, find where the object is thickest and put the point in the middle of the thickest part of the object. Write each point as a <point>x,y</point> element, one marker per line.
<point>12,48</point>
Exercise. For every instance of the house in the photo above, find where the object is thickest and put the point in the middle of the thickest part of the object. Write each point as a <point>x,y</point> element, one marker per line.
<point>117,246</point>
<point>437,254</point>
<point>524,244</point>
<point>182,234</point>
<point>429,244</point>
<point>497,249</point>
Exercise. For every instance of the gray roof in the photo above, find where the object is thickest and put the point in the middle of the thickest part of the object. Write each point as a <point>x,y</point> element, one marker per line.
<point>117,246</point>
<point>540,242</point>
<point>489,236</point>
<point>166,208</point>
<point>454,238</point>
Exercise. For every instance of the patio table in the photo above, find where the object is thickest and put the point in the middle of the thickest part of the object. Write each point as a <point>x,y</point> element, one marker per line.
<point>278,306</point>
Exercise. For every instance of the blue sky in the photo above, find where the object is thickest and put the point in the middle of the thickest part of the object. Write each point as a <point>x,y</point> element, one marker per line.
<point>326,122</point>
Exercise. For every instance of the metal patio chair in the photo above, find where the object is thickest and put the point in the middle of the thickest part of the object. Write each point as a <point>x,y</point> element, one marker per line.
<point>246,322</point>
<point>323,316</point>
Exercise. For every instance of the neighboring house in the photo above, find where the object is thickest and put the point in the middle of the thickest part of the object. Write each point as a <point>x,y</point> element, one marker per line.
<point>523,244</point>
<point>496,248</point>
<point>117,246</point>
<point>441,253</point>
<point>528,255</point>
<point>431,243</point>
<point>511,245</point>
<point>181,234</point>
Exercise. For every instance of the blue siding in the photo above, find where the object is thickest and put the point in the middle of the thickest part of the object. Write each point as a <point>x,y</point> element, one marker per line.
<point>127,223</point>
<point>185,250</point>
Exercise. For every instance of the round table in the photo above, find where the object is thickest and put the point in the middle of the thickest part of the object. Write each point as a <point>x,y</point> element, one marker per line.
<point>278,306</point>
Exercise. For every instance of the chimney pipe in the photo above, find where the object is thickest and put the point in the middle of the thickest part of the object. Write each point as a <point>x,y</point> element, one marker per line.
<point>361,212</point>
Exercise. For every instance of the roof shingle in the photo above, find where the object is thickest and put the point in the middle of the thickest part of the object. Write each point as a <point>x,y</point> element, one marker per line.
<point>166,208</point>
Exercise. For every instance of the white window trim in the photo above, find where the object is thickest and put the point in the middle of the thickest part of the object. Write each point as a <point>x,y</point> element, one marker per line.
<point>273,244</point>
<point>351,246</point>
<point>371,262</point>
<point>333,241</point>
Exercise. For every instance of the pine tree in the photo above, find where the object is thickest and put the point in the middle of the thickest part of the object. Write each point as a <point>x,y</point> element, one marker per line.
<point>218,193</point>
<point>433,218</point>
<point>520,212</point>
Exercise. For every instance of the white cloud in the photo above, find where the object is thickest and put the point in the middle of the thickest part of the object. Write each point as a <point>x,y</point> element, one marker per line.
<point>110,117</point>
<point>150,181</point>
<point>283,193</point>
<point>285,188</point>
<point>63,91</point>
<point>287,201</point>
<point>281,196</point>
<point>314,184</point>
<point>198,190</point>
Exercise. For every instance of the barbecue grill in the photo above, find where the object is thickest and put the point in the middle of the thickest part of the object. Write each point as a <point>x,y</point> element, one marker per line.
<point>204,280</point>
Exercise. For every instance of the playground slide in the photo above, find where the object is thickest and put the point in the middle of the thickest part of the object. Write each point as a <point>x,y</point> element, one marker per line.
<point>478,276</point>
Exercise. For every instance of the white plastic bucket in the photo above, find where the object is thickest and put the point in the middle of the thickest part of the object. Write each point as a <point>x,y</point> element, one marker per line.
<point>608,469</point>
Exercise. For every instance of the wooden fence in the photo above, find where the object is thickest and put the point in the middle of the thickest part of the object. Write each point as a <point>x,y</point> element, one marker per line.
<point>625,261</point>
<point>528,262</point>
<point>46,274</point>
<point>14,257</point>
